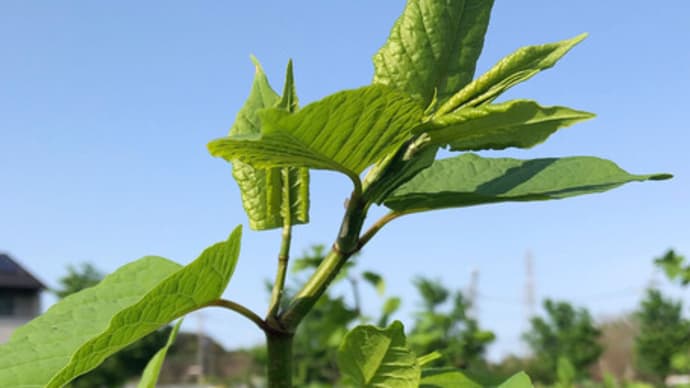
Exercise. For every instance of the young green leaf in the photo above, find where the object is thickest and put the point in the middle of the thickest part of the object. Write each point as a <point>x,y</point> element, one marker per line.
<point>433,47</point>
<point>79,332</point>
<point>516,123</point>
<point>270,196</point>
<point>445,378</point>
<point>519,380</point>
<point>469,180</point>
<point>347,131</point>
<point>149,377</point>
<point>373,357</point>
<point>509,71</point>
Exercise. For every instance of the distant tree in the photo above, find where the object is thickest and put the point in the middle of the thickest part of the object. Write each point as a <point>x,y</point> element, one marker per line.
<point>566,334</point>
<point>453,332</point>
<point>663,333</point>
<point>78,278</point>
<point>124,365</point>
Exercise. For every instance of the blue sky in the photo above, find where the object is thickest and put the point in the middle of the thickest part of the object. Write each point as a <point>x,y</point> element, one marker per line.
<point>106,108</point>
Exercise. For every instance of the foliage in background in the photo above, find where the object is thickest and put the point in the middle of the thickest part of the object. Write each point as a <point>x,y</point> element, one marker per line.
<point>675,267</point>
<point>663,333</point>
<point>124,365</point>
<point>454,333</point>
<point>565,339</point>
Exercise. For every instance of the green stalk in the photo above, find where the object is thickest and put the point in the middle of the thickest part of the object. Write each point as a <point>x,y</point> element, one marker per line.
<point>279,284</point>
<point>346,244</point>
<point>279,359</point>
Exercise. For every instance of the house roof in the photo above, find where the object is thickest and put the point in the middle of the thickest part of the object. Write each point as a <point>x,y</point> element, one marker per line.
<point>12,275</point>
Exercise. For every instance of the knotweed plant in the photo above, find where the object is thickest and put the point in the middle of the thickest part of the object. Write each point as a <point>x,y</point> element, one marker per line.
<point>423,97</point>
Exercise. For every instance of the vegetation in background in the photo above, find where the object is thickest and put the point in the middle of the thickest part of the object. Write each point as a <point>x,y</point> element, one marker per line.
<point>454,333</point>
<point>564,343</point>
<point>663,333</point>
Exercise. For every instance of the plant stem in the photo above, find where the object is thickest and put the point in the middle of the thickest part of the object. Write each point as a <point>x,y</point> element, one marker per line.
<point>376,227</point>
<point>279,283</point>
<point>279,359</point>
<point>345,245</point>
<point>244,311</point>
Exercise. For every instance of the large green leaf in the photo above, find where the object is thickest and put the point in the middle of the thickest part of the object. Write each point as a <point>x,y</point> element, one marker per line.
<point>346,131</point>
<point>149,377</point>
<point>79,332</point>
<point>509,71</point>
<point>268,193</point>
<point>519,380</point>
<point>516,123</point>
<point>445,378</point>
<point>469,180</point>
<point>373,357</point>
<point>433,47</point>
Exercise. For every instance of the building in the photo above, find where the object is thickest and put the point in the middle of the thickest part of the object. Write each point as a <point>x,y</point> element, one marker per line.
<point>20,294</point>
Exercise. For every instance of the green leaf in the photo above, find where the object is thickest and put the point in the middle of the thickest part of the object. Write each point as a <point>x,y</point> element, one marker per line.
<point>79,332</point>
<point>516,123</point>
<point>346,131</point>
<point>672,264</point>
<point>391,305</point>
<point>445,378</point>
<point>517,67</point>
<point>149,377</point>
<point>469,180</point>
<point>433,47</point>
<point>376,281</point>
<point>519,380</point>
<point>373,357</point>
<point>268,193</point>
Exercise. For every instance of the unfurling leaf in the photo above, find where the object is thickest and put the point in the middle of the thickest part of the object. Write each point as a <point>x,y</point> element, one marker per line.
<point>373,357</point>
<point>509,71</point>
<point>271,197</point>
<point>433,48</point>
<point>469,180</point>
<point>149,377</point>
<point>347,131</point>
<point>516,123</point>
<point>79,332</point>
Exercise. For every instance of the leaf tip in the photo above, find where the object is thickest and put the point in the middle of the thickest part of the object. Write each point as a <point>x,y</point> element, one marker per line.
<point>660,177</point>
<point>579,38</point>
<point>236,233</point>
<point>212,147</point>
<point>257,65</point>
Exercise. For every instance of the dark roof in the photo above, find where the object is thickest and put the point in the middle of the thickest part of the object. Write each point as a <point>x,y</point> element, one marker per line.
<point>12,275</point>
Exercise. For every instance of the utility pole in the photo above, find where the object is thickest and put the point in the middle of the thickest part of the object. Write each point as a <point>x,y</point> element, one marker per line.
<point>472,293</point>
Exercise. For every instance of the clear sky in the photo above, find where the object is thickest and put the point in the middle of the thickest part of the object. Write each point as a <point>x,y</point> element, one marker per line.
<point>106,109</point>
